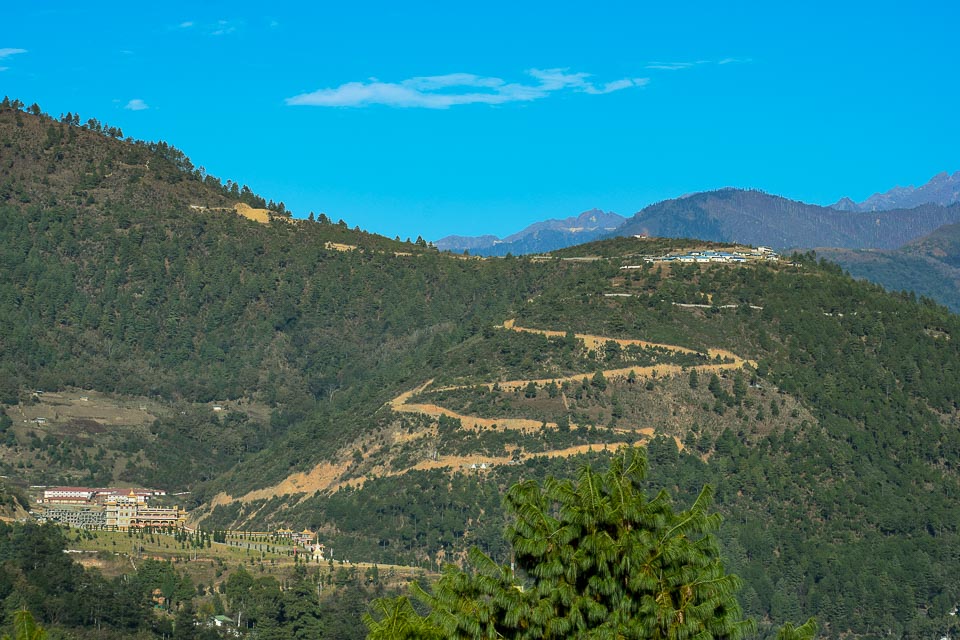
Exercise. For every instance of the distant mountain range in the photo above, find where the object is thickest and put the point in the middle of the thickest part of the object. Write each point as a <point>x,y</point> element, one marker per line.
<point>905,239</point>
<point>883,221</point>
<point>539,237</point>
<point>757,218</point>
<point>943,189</point>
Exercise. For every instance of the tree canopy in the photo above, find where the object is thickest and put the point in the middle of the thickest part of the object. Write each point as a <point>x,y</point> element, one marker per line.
<point>24,627</point>
<point>595,558</point>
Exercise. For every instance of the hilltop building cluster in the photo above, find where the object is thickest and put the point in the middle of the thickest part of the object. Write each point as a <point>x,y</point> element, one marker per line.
<point>88,495</point>
<point>304,538</point>
<point>729,257</point>
<point>111,509</point>
<point>303,542</point>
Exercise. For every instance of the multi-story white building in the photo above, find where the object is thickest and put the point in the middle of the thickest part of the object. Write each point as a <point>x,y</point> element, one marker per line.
<point>68,495</point>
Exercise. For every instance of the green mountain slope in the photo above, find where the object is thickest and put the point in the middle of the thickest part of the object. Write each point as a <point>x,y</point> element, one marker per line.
<point>834,458</point>
<point>929,266</point>
<point>754,217</point>
<point>381,391</point>
<point>159,300</point>
<point>943,244</point>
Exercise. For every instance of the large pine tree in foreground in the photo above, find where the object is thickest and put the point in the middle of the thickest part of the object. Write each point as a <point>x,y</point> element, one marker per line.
<point>596,558</point>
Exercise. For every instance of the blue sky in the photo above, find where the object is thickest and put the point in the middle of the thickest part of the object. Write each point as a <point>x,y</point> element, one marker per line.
<point>470,118</point>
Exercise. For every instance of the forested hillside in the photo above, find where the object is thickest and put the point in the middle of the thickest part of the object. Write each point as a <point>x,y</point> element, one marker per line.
<point>928,266</point>
<point>754,217</point>
<point>144,296</point>
<point>834,458</point>
<point>160,599</point>
<point>387,394</point>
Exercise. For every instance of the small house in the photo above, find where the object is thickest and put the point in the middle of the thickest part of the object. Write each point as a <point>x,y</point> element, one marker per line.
<point>221,621</point>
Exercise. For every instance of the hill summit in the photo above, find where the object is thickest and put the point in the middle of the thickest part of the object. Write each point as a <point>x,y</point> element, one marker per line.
<point>757,218</point>
<point>942,189</point>
<point>539,237</point>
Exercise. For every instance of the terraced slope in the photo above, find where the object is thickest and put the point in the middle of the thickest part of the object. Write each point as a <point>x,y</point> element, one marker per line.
<point>331,476</point>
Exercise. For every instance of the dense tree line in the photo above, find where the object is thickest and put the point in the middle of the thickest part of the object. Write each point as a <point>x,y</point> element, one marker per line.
<point>37,575</point>
<point>109,281</point>
<point>155,599</point>
<point>591,558</point>
<point>872,465</point>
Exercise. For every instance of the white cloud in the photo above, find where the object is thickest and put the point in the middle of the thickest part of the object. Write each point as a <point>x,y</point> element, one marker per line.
<point>223,27</point>
<point>430,83</point>
<point>669,66</point>
<point>555,79</point>
<point>217,28</point>
<point>444,91</point>
<point>6,52</point>
<point>137,105</point>
<point>675,66</point>
<point>617,85</point>
<point>678,66</point>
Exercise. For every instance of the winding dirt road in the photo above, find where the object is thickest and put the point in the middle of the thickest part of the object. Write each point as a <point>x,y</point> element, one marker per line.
<point>328,476</point>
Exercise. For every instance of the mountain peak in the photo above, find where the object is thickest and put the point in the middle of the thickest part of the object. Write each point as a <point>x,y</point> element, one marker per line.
<point>538,237</point>
<point>756,218</point>
<point>942,188</point>
<point>845,204</point>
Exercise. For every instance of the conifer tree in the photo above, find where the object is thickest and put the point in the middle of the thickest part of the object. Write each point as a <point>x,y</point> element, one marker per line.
<point>596,558</point>
<point>25,628</point>
<point>806,631</point>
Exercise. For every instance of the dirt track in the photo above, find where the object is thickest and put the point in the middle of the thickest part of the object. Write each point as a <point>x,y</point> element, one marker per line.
<point>594,342</point>
<point>402,404</point>
<point>731,362</point>
<point>327,476</point>
<point>468,461</point>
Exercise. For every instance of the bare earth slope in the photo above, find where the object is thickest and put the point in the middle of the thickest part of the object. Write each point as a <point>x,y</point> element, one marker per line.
<point>329,476</point>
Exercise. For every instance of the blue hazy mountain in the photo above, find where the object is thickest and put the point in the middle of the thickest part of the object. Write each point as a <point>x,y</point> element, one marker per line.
<point>539,237</point>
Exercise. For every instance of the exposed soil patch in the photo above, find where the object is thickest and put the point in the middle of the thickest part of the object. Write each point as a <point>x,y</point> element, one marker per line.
<point>330,476</point>
<point>78,426</point>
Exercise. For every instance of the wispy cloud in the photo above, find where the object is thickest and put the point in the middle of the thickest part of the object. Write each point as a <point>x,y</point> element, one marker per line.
<point>7,52</point>
<point>453,89</point>
<point>679,66</point>
<point>217,28</point>
<point>223,27</point>
<point>137,105</point>
<point>617,85</point>
<point>675,66</point>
